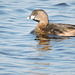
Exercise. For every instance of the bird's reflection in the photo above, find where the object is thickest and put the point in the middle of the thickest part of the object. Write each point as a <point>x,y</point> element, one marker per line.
<point>44,42</point>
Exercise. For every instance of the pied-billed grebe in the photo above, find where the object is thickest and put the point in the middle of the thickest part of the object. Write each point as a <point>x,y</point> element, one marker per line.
<point>46,28</point>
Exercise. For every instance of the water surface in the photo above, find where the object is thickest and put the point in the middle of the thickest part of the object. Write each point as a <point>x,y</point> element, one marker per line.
<point>20,53</point>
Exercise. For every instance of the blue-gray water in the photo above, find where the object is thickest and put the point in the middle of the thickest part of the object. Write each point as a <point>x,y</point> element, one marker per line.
<point>20,53</point>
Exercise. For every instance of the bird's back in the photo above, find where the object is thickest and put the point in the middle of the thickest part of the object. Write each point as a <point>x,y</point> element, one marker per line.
<point>61,29</point>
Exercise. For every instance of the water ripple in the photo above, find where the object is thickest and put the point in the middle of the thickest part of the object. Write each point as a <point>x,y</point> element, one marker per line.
<point>2,12</point>
<point>2,6</point>
<point>20,10</point>
<point>35,59</point>
<point>9,32</point>
<point>62,4</point>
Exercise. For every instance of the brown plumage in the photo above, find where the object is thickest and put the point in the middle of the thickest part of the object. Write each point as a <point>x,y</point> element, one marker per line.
<point>44,28</point>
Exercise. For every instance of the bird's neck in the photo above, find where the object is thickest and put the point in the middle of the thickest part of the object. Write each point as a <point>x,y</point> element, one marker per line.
<point>42,25</point>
